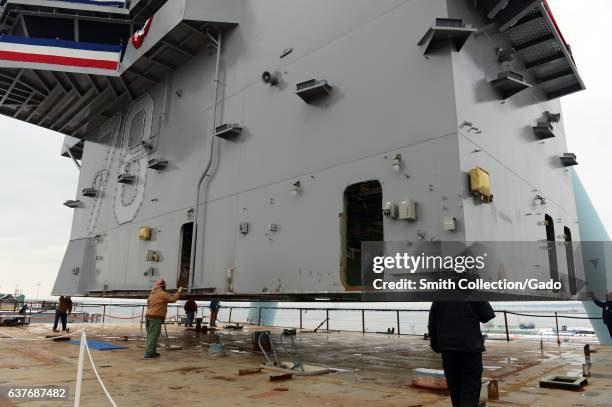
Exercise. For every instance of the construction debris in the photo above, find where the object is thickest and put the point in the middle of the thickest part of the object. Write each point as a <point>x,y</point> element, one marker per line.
<point>216,350</point>
<point>263,344</point>
<point>244,372</point>
<point>280,378</point>
<point>574,383</point>
<point>304,370</point>
<point>363,360</point>
<point>493,389</point>
<point>429,379</point>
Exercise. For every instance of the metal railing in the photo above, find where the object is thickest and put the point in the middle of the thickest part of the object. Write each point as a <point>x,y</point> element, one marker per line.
<point>360,320</point>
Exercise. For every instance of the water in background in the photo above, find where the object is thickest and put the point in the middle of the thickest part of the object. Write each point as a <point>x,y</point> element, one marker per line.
<point>378,317</point>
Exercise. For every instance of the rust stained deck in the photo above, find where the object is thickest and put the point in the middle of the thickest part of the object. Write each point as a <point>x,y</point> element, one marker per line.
<point>378,371</point>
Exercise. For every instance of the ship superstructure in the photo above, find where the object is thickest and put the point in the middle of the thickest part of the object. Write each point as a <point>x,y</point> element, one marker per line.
<point>285,133</point>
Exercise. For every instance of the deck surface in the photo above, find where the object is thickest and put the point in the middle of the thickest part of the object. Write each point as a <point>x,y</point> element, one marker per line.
<point>375,370</point>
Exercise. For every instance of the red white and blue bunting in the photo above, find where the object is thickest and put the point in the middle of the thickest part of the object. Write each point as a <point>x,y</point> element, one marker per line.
<point>139,36</point>
<point>60,52</point>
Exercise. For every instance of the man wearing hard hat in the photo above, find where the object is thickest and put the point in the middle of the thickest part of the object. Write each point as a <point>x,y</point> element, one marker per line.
<point>156,314</point>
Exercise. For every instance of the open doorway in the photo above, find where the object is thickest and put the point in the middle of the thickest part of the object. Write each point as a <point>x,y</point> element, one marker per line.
<point>569,255</point>
<point>552,248</point>
<point>185,254</point>
<point>363,222</point>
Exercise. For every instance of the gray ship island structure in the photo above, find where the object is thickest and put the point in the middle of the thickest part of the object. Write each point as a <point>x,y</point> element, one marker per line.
<point>244,149</point>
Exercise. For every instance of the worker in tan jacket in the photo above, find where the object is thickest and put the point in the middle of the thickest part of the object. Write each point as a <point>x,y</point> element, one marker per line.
<point>156,314</point>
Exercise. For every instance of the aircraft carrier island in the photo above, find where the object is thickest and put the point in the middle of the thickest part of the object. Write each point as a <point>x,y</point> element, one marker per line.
<point>277,150</point>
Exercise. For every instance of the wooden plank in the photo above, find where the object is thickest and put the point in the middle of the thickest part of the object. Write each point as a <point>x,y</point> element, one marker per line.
<point>281,378</point>
<point>244,372</point>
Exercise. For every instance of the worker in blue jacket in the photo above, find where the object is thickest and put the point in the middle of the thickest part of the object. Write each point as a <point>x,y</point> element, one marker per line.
<point>607,311</point>
<point>214,306</point>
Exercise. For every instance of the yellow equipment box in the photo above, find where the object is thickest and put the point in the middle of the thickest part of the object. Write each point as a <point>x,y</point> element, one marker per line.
<point>144,233</point>
<point>480,184</point>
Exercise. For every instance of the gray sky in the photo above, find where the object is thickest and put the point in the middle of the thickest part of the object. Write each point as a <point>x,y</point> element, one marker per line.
<point>585,25</point>
<point>35,180</point>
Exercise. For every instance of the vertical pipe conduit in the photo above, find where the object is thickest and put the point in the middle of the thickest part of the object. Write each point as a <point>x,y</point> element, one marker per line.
<point>206,170</point>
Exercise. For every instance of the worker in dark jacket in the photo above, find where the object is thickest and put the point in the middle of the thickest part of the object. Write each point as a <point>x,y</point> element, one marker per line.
<point>63,309</point>
<point>190,308</point>
<point>454,329</point>
<point>606,314</point>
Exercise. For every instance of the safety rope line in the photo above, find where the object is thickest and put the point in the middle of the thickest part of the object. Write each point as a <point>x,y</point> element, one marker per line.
<point>85,347</point>
<point>93,366</point>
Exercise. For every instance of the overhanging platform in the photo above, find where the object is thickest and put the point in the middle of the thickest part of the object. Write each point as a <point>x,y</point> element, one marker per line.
<point>533,32</point>
<point>60,92</point>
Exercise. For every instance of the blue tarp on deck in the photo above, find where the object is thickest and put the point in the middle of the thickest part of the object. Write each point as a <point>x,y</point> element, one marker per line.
<point>98,345</point>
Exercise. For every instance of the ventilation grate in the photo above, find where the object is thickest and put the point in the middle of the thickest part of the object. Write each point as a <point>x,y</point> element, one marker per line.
<point>529,33</point>
<point>551,69</point>
<point>547,51</point>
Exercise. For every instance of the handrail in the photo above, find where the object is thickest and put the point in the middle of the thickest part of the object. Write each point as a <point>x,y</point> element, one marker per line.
<point>302,310</point>
<point>535,314</point>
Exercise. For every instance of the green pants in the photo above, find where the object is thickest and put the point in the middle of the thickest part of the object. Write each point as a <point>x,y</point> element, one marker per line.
<point>153,331</point>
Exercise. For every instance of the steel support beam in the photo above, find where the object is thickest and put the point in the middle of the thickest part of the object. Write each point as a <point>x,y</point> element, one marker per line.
<point>56,108</point>
<point>44,84</point>
<point>140,75</point>
<point>90,117</point>
<point>76,107</point>
<point>10,89</point>
<point>78,16</point>
<point>514,11</point>
<point>25,104</point>
<point>177,48</point>
<point>497,8</point>
<point>567,75</point>
<point>127,88</point>
<point>556,59</point>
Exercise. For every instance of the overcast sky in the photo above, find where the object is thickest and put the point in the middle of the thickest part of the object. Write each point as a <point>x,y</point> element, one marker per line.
<point>35,180</point>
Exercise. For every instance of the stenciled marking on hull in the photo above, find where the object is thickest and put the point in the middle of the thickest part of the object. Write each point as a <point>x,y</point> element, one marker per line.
<point>109,130</point>
<point>134,160</point>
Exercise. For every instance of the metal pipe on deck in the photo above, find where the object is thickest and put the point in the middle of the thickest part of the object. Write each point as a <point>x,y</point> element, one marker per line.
<point>557,324</point>
<point>363,330</point>
<point>506,326</point>
<point>398,322</point>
